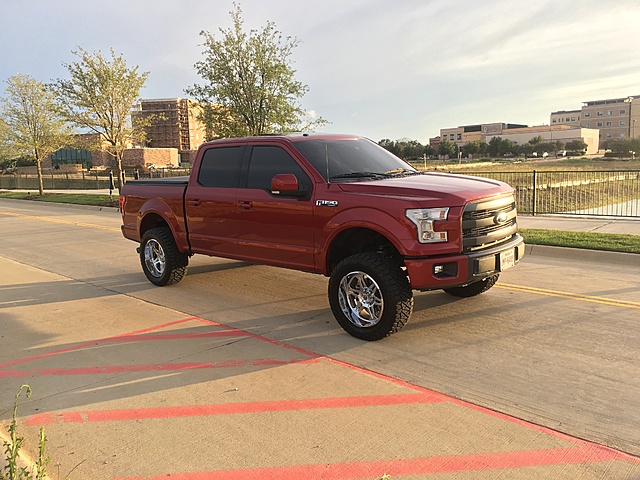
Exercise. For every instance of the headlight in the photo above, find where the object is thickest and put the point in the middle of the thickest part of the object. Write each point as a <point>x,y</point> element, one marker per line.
<point>424,219</point>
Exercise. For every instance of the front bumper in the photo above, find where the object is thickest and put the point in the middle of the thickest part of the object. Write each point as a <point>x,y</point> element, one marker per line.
<point>432,273</point>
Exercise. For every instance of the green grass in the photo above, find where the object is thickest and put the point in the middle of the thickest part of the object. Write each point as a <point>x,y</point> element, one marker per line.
<point>589,240</point>
<point>74,198</point>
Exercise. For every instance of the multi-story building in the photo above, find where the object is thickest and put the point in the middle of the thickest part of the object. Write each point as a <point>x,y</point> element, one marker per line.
<point>615,118</point>
<point>470,133</point>
<point>553,133</point>
<point>174,123</point>
<point>566,117</point>
<point>521,134</point>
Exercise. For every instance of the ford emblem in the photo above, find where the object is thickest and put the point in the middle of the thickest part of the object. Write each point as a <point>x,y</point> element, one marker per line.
<point>500,218</point>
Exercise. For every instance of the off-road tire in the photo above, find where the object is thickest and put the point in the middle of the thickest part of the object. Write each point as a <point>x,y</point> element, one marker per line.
<point>473,289</point>
<point>384,279</point>
<point>161,261</point>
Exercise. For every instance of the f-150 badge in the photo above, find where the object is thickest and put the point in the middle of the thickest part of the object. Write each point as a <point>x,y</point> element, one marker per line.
<point>326,203</point>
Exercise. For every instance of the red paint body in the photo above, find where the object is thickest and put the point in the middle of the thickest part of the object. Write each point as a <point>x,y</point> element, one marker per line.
<point>270,227</point>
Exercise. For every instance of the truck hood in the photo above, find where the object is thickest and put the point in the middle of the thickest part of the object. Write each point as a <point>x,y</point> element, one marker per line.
<point>443,188</point>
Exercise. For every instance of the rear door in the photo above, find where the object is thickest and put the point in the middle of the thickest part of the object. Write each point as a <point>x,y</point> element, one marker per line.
<point>210,202</point>
<point>274,229</point>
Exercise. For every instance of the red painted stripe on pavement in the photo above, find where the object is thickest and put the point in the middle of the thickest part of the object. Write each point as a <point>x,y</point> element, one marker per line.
<point>231,408</point>
<point>95,342</point>
<point>161,367</point>
<point>261,338</point>
<point>413,466</point>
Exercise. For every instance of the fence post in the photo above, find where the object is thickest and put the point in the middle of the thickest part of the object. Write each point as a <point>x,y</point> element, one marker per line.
<point>535,193</point>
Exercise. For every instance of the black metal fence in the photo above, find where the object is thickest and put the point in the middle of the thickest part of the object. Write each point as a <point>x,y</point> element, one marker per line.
<point>79,181</point>
<point>593,193</point>
<point>570,192</point>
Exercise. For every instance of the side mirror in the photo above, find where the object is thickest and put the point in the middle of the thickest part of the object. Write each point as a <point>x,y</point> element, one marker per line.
<point>286,185</point>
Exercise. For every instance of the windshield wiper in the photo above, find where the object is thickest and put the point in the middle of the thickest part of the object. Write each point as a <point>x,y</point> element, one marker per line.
<point>402,171</point>
<point>360,175</point>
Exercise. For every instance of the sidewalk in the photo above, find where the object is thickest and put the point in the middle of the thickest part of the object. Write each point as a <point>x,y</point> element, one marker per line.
<point>630,226</point>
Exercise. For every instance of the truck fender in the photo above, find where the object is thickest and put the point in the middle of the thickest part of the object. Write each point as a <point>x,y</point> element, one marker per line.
<point>155,212</point>
<point>368,218</point>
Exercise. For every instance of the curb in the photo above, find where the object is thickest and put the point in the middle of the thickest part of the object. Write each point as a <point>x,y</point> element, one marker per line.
<point>66,205</point>
<point>584,255</point>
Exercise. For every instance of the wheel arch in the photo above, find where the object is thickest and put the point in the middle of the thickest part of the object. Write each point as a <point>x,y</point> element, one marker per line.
<point>358,239</point>
<point>155,213</point>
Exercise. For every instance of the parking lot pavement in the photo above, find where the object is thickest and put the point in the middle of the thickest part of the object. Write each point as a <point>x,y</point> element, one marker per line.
<point>128,389</point>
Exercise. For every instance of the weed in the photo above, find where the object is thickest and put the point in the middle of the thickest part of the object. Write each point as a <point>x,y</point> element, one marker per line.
<point>12,471</point>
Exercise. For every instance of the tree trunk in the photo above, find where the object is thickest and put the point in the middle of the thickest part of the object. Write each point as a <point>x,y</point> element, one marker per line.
<point>39,170</point>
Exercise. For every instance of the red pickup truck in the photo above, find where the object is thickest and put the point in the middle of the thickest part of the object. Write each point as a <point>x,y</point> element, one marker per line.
<point>336,205</point>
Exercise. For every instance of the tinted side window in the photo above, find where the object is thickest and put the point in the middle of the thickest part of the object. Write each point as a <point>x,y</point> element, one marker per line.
<point>267,162</point>
<point>220,167</point>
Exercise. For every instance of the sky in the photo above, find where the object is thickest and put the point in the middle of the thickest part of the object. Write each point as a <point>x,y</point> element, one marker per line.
<point>382,69</point>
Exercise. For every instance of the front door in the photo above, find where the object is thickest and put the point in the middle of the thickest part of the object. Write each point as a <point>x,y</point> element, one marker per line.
<point>275,229</point>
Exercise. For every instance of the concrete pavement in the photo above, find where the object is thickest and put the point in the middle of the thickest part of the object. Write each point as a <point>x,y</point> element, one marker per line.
<point>128,388</point>
<point>630,226</point>
<point>141,391</point>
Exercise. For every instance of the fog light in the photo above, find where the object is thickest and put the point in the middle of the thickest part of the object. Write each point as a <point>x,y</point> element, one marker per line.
<point>438,269</point>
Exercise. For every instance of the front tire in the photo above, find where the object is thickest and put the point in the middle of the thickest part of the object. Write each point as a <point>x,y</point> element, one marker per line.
<point>473,289</point>
<point>370,296</point>
<point>161,261</point>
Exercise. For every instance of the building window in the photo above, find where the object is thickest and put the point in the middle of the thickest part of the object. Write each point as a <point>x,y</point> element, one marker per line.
<point>573,119</point>
<point>554,120</point>
<point>622,135</point>
<point>599,114</point>
<point>623,111</point>
<point>587,114</point>
<point>451,136</point>
<point>622,123</point>
<point>609,112</point>
<point>599,124</point>
<point>608,135</point>
<point>586,125</point>
<point>609,124</point>
<point>459,136</point>
<point>566,119</point>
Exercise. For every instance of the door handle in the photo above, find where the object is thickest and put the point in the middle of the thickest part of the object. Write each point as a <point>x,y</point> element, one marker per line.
<point>195,202</point>
<point>245,205</point>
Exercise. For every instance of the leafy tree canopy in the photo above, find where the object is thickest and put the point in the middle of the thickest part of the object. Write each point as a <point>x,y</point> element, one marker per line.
<point>31,125</point>
<point>99,97</point>
<point>250,86</point>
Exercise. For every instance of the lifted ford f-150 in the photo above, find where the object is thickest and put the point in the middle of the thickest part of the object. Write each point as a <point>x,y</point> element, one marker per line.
<point>336,205</point>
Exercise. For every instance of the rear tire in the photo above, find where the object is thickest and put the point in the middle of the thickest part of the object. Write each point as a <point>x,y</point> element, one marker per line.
<point>161,261</point>
<point>370,296</point>
<point>473,289</point>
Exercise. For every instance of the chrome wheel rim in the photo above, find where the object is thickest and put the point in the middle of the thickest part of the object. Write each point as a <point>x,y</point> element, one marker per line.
<point>154,258</point>
<point>361,299</point>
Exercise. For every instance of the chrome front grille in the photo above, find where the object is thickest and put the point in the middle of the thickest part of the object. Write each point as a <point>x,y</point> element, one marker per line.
<point>488,222</point>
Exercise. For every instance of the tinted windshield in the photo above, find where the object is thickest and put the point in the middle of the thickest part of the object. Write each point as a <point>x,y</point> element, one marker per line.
<point>351,159</point>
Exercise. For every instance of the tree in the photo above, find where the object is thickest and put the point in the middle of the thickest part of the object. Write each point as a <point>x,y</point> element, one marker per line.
<point>250,87</point>
<point>578,146</point>
<point>32,125</point>
<point>99,97</point>
<point>475,147</point>
<point>447,148</point>
<point>494,146</point>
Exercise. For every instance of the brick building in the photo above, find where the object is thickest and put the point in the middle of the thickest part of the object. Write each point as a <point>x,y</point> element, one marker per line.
<point>173,124</point>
